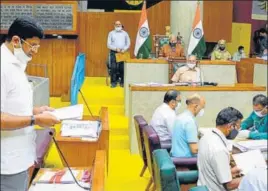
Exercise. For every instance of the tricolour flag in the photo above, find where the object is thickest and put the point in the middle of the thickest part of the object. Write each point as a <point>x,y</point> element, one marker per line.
<point>143,44</point>
<point>197,45</point>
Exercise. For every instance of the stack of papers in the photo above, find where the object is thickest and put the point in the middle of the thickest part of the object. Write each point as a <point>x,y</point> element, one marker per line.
<point>71,112</point>
<point>249,160</point>
<point>77,128</point>
<point>251,145</point>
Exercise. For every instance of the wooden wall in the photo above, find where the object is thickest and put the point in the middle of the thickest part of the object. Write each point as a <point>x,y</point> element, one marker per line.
<point>59,57</point>
<point>217,20</point>
<point>94,29</point>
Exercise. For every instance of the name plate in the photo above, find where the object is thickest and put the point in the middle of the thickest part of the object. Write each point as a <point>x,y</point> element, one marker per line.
<point>52,17</point>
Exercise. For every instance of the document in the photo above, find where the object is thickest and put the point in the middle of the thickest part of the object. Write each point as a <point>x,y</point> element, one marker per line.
<point>122,57</point>
<point>70,112</point>
<point>248,160</point>
<point>251,145</point>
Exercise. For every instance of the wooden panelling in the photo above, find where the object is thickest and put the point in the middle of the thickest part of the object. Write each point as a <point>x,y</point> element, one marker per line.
<point>94,29</point>
<point>217,20</point>
<point>59,57</point>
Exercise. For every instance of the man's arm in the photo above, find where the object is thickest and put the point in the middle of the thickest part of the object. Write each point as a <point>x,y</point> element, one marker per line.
<point>192,136</point>
<point>258,136</point>
<point>247,123</point>
<point>127,39</point>
<point>109,42</point>
<point>9,122</point>
<point>213,56</point>
<point>233,184</point>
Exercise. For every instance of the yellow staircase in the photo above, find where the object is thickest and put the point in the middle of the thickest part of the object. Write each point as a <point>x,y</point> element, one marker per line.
<point>124,168</point>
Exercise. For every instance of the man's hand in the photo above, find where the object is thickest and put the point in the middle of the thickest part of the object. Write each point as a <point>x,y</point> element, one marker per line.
<point>46,120</point>
<point>123,51</point>
<point>118,50</point>
<point>38,110</point>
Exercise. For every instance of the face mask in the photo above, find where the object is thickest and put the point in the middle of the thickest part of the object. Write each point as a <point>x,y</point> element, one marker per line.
<point>259,114</point>
<point>201,113</point>
<point>241,51</point>
<point>177,107</point>
<point>222,48</point>
<point>190,65</point>
<point>232,135</point>
<point>21,56</point>
<point>118,29</point>
<point>172,44</point>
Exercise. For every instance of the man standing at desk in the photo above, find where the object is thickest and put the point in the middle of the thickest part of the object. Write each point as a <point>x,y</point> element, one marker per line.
<point>189,73</point>
<point>118,41</point>
<point>18,150</point>
<point>173,49</point>
<point>256,125</point>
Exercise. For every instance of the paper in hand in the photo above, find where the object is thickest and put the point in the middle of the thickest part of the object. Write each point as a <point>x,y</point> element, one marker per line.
<point>70,112</point>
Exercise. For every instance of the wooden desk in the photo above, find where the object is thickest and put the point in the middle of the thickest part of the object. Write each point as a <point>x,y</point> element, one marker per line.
<point>157,70</point>
<point>245,69</point>
<point>81,153</point>
<point>144,100</point>
<point>98,176</point>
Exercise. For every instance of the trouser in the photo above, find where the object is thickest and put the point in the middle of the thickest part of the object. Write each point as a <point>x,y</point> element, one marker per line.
<point>14,182</point>
<point>117,69</point>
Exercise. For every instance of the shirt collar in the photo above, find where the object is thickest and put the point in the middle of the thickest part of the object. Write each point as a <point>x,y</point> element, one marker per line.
<point>8,54</point>
<point>189,113</point>
<point>221,135</point>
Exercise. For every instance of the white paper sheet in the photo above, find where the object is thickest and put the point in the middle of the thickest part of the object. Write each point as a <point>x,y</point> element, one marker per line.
<point>249,160</point>
<point>251,145</point>
<point>70,112</point>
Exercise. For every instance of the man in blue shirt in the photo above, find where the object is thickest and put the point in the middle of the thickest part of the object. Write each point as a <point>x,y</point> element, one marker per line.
<point>118,41</point>
<point>256,125</point>
<point>185,130</point>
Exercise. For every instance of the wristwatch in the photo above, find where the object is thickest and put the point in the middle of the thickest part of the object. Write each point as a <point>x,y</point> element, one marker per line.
<point>32,120</point>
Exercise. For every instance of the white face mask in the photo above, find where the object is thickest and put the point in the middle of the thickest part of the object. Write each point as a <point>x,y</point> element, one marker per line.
<point>259,114</point>
<point>201,113</point>
<point>177,107</point>
<point>191,66</point>
<point>118,29</point>
<point>21,56</point>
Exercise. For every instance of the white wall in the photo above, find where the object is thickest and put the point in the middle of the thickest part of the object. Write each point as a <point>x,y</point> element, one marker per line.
<point>181,18</point>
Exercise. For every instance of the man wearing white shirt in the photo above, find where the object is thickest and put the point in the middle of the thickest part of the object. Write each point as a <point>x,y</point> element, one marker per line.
<point>18,151</point>
<point>164,116</point>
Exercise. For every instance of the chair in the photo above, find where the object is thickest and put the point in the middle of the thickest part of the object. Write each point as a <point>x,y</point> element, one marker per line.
<point>166,177</point>
<point>173,65</point>
<point>152,142</point>
<point>159,41</point>
<point>43,143</point>
<point>140,123</point>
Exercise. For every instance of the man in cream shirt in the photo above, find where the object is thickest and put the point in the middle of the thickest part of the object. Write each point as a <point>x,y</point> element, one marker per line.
<point>18,151</point>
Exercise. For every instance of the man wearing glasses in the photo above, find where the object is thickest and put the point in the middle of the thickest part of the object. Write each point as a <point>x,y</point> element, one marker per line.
<point>18,116</point>
<point>190,73</point>
<point>164,116</point>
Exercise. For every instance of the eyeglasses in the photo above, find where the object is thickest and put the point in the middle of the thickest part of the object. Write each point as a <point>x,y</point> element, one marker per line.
<point>33,47</point>
<point>179,101</point>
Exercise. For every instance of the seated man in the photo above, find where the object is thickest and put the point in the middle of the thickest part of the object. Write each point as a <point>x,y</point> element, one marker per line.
<point>221,53</point>
<point>173,49</point>
<point>165,114</point>
<point>189,73</point>
<point>256,125</point>
<point>213,159</point>
<point>185,130</point>
<point>240,54</point>
<point>254,180</point>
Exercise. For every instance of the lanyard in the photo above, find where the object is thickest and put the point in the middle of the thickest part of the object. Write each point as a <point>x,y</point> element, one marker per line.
<point>219,137</point>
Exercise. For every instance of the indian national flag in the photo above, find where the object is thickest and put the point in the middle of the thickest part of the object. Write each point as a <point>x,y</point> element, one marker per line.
<point>143,44</point>
<point>197,45</point>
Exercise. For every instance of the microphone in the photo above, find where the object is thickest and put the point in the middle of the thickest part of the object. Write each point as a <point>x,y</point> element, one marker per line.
<point>54,140</point>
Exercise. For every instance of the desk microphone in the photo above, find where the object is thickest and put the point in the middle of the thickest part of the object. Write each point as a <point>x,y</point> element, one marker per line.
<point>54,140</point>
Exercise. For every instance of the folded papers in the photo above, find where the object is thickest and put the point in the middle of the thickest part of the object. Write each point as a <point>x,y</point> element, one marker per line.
<point>251,145</point>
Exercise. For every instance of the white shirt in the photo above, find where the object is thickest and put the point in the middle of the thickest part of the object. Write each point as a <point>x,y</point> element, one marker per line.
<point>255,180</point>
<point>118,39</point>
<point>18,150</point>
<point>162,121</point>
<point>213,161</point>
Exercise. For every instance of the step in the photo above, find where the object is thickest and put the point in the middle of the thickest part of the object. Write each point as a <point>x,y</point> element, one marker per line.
<point>102,91</point>
<point>101,100</point>
<point>95,81</point>
<point>118,121</point>
<point>119,131</point>
<point>119,142</point>
<point>112,109</point>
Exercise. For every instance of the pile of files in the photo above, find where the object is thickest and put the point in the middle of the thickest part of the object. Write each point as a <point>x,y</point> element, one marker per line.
<point>251,145</point>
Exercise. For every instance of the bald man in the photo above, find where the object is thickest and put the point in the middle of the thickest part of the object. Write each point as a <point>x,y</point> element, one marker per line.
<point>118,41</point>
<point>185,129</point>
<point>190,73</point>
<point>173,49</point>
<point>221,53</point>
